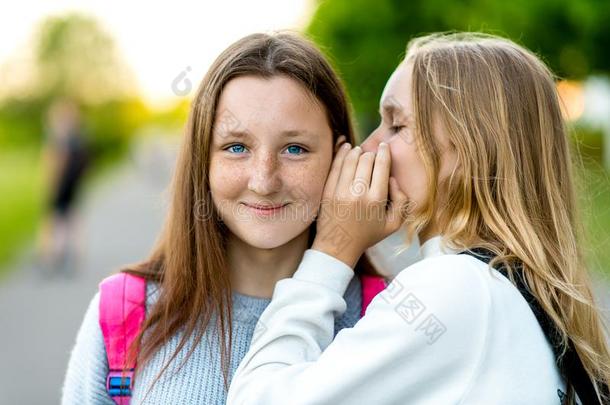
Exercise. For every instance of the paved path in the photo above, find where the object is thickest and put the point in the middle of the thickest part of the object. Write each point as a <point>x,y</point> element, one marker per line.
<point>39,317</point>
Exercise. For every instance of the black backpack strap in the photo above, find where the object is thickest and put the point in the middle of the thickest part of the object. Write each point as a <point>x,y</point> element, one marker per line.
<point>570,365</point>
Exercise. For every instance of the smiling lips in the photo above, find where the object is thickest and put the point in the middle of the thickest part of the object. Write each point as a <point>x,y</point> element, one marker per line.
<point>265,207</point>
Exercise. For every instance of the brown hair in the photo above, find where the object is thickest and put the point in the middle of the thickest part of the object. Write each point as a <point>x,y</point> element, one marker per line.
<point>512,190</point>
<point>188,259</point>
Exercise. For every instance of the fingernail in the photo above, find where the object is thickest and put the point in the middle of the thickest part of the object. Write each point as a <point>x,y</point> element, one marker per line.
<point>346,146</point>
<point>383,144</point>
<point>358,148</point>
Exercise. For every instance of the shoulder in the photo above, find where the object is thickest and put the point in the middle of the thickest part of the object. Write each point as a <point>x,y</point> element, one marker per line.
<point>153,289</point>
<point>93,310</point>
<point>449,291</point>
<point>89,346</point>
<point>454,274</point>
<point>85,378</point>
<point>435,315</point>
<point>133,287</point>
<point>90,331</point>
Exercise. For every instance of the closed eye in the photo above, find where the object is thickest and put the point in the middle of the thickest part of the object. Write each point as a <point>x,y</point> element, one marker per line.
<point>397,128</point>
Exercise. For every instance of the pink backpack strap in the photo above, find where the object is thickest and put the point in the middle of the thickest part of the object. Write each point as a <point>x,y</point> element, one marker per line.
<point>371,286</point>
<point>121,314</point>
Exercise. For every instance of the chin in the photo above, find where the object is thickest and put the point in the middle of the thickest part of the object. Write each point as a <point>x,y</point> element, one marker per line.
<point>266,245</point>
<point>263,237</point>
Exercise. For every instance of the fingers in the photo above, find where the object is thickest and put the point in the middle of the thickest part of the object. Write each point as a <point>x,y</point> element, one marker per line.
<point>335,171</point>
<point>362,180</point>
<point>397,211</point>
<point>354,173</point>
<point>348,172</point>
<point>381,173</point>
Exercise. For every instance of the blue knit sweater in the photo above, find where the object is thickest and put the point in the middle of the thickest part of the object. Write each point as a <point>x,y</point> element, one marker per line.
<point>199,381</point>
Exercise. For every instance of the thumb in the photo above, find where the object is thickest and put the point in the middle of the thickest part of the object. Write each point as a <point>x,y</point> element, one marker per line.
<point>397,210</point>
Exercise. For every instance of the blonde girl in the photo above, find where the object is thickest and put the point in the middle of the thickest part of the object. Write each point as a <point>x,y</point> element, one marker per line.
<point>472,136</point>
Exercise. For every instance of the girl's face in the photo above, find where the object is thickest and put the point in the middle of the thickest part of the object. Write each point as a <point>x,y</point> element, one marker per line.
<point>271,147</point>
<point>397,130</point>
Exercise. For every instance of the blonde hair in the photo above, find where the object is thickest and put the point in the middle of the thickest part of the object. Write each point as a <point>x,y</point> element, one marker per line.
<point>512,191</point>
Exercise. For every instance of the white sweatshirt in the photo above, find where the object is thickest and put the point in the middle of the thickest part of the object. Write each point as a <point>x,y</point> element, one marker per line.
<point>447,330</point>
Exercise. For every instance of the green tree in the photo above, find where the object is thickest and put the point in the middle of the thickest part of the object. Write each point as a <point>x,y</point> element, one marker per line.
<point>74,57</point>
<point>367,39</point>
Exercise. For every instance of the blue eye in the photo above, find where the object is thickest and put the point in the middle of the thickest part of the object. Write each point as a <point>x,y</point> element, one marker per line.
<point>298,148</point>
<point>240,147</point>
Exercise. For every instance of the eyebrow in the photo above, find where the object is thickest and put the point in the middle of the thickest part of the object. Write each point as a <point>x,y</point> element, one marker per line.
<point>296,132</point>
<point>233,133</point>
<point>387,108</point>
<point>393,111</point>
<point>292,133</point>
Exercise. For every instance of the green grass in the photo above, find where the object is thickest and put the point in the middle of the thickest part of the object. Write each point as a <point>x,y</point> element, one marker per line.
<point>23,196</point>
<point>595,204</point>
<point>21,205</point>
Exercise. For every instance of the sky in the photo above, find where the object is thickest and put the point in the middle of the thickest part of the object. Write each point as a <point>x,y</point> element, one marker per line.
<point>159,40</point>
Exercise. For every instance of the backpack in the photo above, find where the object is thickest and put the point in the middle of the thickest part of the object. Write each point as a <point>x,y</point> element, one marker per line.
<point>122,310</point>
<point>570,365</point>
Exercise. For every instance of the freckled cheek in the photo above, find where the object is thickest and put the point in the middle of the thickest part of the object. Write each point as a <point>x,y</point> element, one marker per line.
<point>306,182</point>
<point>227,180</point>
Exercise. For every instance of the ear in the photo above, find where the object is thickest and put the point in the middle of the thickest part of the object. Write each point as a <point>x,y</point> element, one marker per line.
<point>340,141</point>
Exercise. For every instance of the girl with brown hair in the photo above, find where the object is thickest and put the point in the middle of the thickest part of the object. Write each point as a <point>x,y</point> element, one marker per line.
<point>247,187</point>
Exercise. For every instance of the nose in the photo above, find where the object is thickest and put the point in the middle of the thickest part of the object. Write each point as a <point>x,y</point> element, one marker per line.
<point>371,143</point>
<point>264,175</point>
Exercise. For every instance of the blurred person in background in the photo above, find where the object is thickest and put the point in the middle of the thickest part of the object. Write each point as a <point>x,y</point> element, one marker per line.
<point>66,158</point>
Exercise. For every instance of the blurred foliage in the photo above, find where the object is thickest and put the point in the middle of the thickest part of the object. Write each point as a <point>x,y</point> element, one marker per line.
<point>367,39</point>
<point>74,58</point>
<point>593,190</point>
<point>21,205</point>
<point>588,143</point>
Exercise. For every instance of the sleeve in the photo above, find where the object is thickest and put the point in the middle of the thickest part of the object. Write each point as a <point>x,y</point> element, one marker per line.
<point>420,340</point>
<point>85,380</point>
<point>353,301</point>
